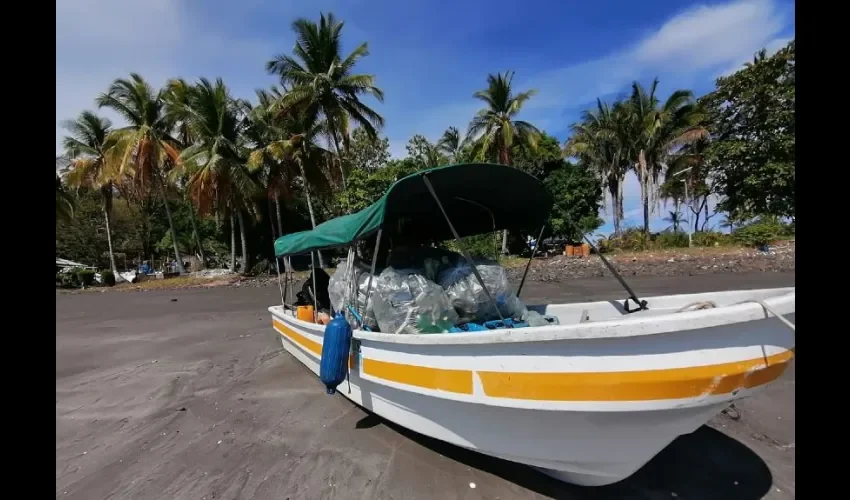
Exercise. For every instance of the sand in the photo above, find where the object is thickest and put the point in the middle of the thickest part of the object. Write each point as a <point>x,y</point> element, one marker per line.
<point>188,395</point>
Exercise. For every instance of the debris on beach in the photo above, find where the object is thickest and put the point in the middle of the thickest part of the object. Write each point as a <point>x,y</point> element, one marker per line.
<point>672,262</point>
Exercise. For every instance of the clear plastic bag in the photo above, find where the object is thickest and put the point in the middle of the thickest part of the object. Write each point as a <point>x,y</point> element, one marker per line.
<point>339,289</point>
<point>406,302</point>
<point>338,286</point>
<point>469,298</point>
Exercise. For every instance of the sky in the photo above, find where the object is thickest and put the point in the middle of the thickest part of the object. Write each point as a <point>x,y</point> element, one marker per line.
<point>428,56</point>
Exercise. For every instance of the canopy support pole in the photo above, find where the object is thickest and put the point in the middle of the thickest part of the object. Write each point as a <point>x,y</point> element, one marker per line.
<point>640,303</point>
<point>279,283</point>
<point>372,271</point>
<point>287,264</point>
<point>466,254</point>
<point>315,292</point>
<point>528,265</point>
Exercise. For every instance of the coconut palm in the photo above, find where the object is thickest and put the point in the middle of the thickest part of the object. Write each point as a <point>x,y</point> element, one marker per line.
<point>175,97</point>
<point>451,144</point>
<point>599,141</point>
<point>495,127</point>
<point>90,164</point>
<point>675,219</point>
<point>65,204</point>
<point>423,153</point>
<point>688,165</point>
<point>322,82</point>
<point>308,155</point>
<point>143,149</point>
<point>215,163</point>
<point>270,149</point>
<point>657,131</point>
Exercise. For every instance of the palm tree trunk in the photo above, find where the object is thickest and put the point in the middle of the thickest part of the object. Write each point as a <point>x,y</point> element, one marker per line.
<point>332,123</point>
<point>644,189</point>
<point>107,209</point>
<point>620,213</point>
<point>614,204</point>
<point>232,241</point>
<point>279,220</point>
<point>271,219</point>
<point>503,156</point>
<point>246,256</point>
<point>310,207</point>
<point>177,256</point>
<point>197,235</point>
<point>697,213</point>
<point>676,214</point>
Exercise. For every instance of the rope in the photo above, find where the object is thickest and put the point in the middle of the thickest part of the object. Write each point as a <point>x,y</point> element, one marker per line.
<point>703,304</point>
<point>708,304</point>
<point>770,310</point>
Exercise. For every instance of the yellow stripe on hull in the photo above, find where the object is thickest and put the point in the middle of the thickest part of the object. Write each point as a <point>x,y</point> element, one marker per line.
<point>440,379</point>
<point>642,385</point>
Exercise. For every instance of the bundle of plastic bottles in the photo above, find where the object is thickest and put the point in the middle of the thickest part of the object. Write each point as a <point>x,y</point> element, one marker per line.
<point>440,294</point>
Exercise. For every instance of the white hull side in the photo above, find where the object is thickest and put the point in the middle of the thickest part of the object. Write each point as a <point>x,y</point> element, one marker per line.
<point>588,443</point>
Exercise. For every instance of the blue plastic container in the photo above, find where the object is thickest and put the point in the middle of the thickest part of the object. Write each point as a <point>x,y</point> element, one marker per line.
<point>336,348</point>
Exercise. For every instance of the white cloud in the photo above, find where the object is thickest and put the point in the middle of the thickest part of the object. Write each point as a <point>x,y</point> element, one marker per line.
<point>98,41</point>
<point>703,37</point>
<point>699,39</point>
<point>771,48</point>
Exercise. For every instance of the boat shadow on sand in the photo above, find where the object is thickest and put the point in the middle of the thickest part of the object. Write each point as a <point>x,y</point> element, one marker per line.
<point>705,464</point>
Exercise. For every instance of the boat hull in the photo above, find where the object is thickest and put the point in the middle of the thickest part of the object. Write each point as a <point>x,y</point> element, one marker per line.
<point>589,411</point>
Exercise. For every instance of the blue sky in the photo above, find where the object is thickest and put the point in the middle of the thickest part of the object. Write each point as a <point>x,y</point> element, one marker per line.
<point>428,56</point>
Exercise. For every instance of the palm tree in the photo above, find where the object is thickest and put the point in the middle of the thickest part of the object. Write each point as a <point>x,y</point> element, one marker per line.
<point>423,153</point>
<point>658,131</point>
<point>322,83</point>
<point>215,163</point>
<point>688,165</point>
<point>65,204</point>
<point>675,219</point>
<point>451,144</point>
<point>175,97</point>
<point>90,165</point>
<point>494,127</point>
<point>143,149</point>
<point>599,141</point>
<point>304,132</point>
<point>270,149</point>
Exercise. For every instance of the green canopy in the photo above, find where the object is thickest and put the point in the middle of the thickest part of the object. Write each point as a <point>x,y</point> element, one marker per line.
<point>478,198</point>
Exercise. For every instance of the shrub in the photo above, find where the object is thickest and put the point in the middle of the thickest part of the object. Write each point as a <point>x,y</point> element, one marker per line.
<point>671,240</point>
<point>758,233</point>
<point>85,277</point>
<point>264,267</point>
<point>632,238</point>
<point>711,239</point>
<point>482,246</point>
<point>67,280</point>
<point>107,278</point>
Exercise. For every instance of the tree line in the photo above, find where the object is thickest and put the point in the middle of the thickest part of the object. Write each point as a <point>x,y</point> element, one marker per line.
<point>196,170</point>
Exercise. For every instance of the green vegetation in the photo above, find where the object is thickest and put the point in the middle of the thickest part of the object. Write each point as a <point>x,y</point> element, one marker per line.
<point>85,277</point>
<point>198,175</point>
<point>107,278</point>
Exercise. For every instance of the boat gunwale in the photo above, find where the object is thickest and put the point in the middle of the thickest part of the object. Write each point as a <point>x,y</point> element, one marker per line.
<point>621,327</point>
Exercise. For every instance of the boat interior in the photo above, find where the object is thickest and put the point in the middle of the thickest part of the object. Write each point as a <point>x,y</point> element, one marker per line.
<point>569,314</point>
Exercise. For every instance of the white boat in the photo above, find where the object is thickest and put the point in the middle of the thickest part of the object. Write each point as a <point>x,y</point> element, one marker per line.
<point>588,401</point>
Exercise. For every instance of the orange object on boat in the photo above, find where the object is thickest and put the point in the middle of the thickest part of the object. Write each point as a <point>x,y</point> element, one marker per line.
<point>305,313</point>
